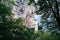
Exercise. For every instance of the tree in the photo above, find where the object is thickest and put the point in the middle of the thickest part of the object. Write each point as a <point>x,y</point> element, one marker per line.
<point>49,11</point>
<point>13,29</point>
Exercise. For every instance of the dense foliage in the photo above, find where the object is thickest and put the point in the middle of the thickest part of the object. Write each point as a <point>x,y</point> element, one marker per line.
<point>13,29</point>
<point>49,11</point>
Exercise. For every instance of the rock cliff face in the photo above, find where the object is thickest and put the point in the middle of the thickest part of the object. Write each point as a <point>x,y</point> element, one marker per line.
<point>25,11</point>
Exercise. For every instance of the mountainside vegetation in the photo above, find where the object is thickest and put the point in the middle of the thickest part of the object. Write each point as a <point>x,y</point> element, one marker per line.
<point>13,29</point>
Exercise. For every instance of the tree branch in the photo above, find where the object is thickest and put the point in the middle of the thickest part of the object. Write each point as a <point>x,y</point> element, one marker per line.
<point>55,13</point>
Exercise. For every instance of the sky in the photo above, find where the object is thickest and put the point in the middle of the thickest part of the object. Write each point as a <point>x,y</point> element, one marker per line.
<point>37,18</point>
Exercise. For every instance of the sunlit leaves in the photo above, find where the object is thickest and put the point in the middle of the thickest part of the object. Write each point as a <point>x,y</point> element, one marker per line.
<point>4,10</point>
<point>30,1</point>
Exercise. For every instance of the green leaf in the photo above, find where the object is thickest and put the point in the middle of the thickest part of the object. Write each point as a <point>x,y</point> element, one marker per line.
<point>30,2</point>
